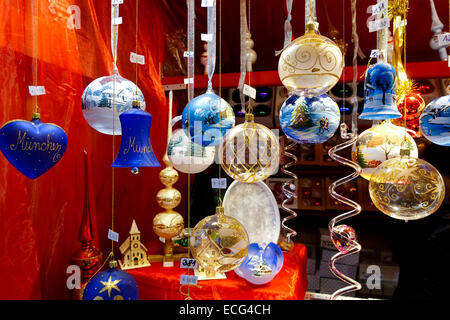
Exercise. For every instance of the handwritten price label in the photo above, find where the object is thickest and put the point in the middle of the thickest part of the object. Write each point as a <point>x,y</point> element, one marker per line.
<point>206,36</point>
<point>137,58</point>
<point>187,263</point>
<point>207,3</point>
<point>188,80</point>
<point>114,236</point>
<point>379,7</point>
<point>185,279</point>
<point>188,54</point>
<point>379,24</point>
<point>444,39</point>
<point>376,53</point>
<point>117,21</point>
<point>219,183</point>
<point>114,2</point>
<point>36,90</point>
<point>249,91</point>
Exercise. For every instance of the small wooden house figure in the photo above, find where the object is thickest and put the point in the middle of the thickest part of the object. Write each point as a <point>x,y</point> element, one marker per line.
<point>134,252</point>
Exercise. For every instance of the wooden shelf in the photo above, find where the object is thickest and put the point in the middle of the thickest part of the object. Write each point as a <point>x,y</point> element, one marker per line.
<point>415,70</point>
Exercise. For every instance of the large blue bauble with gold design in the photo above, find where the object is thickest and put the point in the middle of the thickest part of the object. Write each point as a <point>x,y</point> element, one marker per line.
<point>111,284</point>
<point>262,263</point>
<point>309,120</point>
<point>32,147</point>
<point>207,118</point>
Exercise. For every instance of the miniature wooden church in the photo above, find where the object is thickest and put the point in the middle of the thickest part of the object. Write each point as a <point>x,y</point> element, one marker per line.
<point>134,252</point>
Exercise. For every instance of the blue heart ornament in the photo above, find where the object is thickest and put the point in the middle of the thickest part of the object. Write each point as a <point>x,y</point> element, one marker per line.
<point>32,147</point>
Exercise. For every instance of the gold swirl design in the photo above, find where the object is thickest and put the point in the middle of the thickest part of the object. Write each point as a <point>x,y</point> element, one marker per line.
<point>328,58</point>
<point>306,57</point>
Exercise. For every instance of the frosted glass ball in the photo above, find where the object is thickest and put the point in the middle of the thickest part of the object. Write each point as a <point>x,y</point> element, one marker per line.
<point>406,188</point>
<point>250,152</point>
<point>309,120</point>
<point>187,156</point>
<point>435,121</point>
<point>98,99</point>
<point>311,65</point>
<point>219,243</point>
<point>207,118</point>
<point>262,263</point>
<point>380,143</point>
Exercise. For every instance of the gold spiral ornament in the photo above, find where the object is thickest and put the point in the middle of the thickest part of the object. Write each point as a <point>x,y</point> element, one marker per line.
<point>312,64</point>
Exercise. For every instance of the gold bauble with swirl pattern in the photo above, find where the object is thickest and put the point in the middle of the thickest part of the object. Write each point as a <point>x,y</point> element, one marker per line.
<point>168,198</point>
<point>168,224</point>
<point>311,65</point>
<point>406,188</point>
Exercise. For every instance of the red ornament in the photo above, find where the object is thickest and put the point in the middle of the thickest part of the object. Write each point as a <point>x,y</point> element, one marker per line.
<point>424,86</point>
<point>414,106</point>
<point>87,257</point>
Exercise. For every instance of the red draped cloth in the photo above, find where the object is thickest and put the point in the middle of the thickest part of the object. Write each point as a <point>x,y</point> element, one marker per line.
<point>158,283</point>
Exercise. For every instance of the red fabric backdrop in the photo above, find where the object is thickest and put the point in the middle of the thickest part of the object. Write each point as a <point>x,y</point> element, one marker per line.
<point>39,219</point>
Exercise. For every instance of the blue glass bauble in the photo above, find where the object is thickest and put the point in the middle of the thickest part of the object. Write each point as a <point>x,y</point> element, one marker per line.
<point>262,264</point>
<point>97,102</point>
<point>435,121</point>
<point>32,147</point>
<point>111,284</point>
<point>207,118</point>
<point>309,120</point>
<point>380,89</point>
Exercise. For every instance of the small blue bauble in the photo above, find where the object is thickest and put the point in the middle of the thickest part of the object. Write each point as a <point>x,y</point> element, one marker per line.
<point>435,121</point>
<point>309,120</point>
<point>262,264</point>
<point>380,89</point>
<point>32,147</point>
<point>111,284</point>
<point>207,118</point>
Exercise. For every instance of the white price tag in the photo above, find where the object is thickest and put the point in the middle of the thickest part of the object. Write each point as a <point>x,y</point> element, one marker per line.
<point>167,264</point>
<point>137,58</point>
<point>400,23</point>
<point>379,7</point>
<point>114,236</point>
<point>117,21</point>
<point>219,183</point>
<point>188,80</point>
<point>187,263</point>
<point>378,24</point>
<point>354,100</point>
<point>188,54</point>
<point>249,91</point>
<point>185,279</point>
<point>117,2</point>
<point>448,61</point>
<point>207,3</point>
<point>444,39</point>
<point>376,53</point>
<point>36,90</point>
<point>207,36</point>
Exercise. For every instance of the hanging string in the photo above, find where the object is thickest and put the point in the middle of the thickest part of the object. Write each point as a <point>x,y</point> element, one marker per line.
<point>342,238</point>
<point>243,61</point>
<point>114,33</point>
<point>211,22</point>
<point>137,27</point>
<point>220,88</point>
<point>250,106</point>
<point>287,27</point>
<point>36,50</point>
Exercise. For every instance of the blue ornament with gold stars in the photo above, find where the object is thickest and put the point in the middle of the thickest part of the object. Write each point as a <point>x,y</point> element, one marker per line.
<point>111,284</point>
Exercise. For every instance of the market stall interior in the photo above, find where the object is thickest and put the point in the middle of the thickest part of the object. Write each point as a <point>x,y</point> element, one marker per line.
<point>266,149</point>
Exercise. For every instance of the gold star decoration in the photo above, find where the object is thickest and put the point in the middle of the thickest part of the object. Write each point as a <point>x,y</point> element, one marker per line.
<point>110,285</point>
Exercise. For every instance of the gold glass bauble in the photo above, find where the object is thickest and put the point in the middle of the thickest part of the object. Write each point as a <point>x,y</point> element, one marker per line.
<point>249,152</point>
<point>168,176</point>
<point>168,198</point>
<point>311,65</point>
<point>219,243</point>
<point>406,188</point>
<point>168,224</point>
<point>380,143</point>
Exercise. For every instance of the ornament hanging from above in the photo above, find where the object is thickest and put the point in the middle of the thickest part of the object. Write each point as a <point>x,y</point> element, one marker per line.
<point>187,156</point>
<point>104,93</point>
<point>32,147</point>
<point>255,207</point>
<point>414,104</point>
<point>406,188</point>
<point>435,121</point>
<point>262,263</point>
<point>207,118</point>
<point>380,143</point>
<point>111,284</point>
<point>250,152</point>
<point>135,147</point>
<point>379,93</point>
<point>219,243</point>
<point>312,64</point>
<point>309,120</point>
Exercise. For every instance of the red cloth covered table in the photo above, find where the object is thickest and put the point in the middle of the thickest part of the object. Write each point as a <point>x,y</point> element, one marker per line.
<point>158,283</point>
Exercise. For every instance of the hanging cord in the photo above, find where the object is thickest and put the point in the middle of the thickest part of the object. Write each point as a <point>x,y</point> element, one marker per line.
<point>137,27</point>
<point>250,106</point>
<point>338,232</point>
<point>220,90</point>
<point>36,53</point>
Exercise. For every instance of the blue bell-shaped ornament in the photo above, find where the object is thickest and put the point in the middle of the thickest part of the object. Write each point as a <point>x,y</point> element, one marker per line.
<point>380,90</point>
<point>135,147</point>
